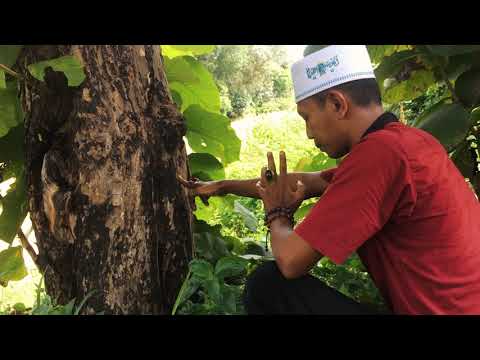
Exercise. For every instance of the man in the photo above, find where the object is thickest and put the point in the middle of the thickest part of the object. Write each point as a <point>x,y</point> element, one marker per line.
<point>396,199</point>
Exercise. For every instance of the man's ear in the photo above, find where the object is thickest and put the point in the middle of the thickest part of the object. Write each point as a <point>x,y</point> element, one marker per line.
<point>338,102</point>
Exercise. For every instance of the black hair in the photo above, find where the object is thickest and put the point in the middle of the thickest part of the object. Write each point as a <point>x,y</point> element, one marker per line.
<point>362,92</point>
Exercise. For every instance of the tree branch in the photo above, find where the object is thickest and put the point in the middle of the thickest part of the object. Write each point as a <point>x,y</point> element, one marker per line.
<point>26,245</point>
<point>9,71</point>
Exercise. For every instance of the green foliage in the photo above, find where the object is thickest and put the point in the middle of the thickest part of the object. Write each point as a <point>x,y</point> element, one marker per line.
<point>211,285</point>
<point>172,51</point>
<point>352,280</point>
<point>9,54</point>
<point>206,167</point>
<point>192,81</point>
<point>211,133</point>
<point>420,78</point>
<point>11,113</point>
<point>12,267</point>
<point>437,122</point>
<point>378,52</point>
<point>69,65</point>
<point>254,79</point>
<point>13,210</point>
<point>467,88</point>
<point>417,84</point>
<point>3,83</point>
<point>248,217</point>
<point>451,50</point>
<point>46,306</point>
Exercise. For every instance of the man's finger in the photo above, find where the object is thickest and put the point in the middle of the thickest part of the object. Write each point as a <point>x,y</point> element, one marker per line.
<point>283,164</point>
<point>260,188</point>
<point>204,200</point>
<point>263,178</point>
<point>271,163</point>
<point>183,181</point>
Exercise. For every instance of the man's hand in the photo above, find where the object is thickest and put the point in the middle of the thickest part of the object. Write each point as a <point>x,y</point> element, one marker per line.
<point>277,192</point>
<point>203,189</point>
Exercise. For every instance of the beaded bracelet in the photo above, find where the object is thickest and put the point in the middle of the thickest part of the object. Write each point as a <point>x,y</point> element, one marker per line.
<point>278,212</point>
<point>274,214</point>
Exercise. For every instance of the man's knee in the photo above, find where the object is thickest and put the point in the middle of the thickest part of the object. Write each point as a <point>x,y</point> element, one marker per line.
<point>263,283</point>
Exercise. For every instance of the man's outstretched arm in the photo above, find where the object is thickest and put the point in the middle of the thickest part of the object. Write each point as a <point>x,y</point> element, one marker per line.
<point>315,184</point>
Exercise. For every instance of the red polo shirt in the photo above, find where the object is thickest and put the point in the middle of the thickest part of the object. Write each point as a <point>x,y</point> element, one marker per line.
<point>402,205</point>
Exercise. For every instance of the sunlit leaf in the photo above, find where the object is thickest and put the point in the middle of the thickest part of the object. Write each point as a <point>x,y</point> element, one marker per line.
<point>212,133</point>
<point>12,266</point>
<point>195,85</point>
<point>69,65</point>
<point>173,51</point>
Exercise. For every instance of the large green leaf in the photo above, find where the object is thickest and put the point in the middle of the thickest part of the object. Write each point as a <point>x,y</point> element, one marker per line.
<point>449,123</point>
<point>378,52</point>
<point>458,64</point>
<point>467,88</point>
<point>228,299</point>
<point>317,163</point>
<point>211,133</point>
<point>9,54</point>
<point>193,82</point>
<point>410,89</point>
<point>206,167</point>
<point>391,65</point>
<point>475,115</point>
<point>11,113</point>
<point>201,269</point>
<point>12,154</point>
<point>69,65</point>
<point>173,51</point>
<point>450,50</point>
<point>230,266</point>
<point>11,150</point>
<point>213,289</point>
<point>209,243</point>
<point>13,210</point>
<point>206,213</point>
<point>464,160</point>
<point>302,211</point>
<point>248,217</point>
<point>12,266</point>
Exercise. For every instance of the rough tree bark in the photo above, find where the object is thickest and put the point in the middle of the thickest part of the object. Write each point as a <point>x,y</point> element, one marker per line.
<point>101,160</point>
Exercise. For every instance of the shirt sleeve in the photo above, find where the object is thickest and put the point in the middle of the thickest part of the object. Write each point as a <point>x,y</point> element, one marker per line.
<point>356,205</point>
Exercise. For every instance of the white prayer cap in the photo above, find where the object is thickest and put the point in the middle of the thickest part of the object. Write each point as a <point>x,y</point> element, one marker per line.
<point>329,67</point>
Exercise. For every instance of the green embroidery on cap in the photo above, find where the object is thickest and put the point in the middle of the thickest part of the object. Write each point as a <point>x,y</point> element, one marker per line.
<point>321,68</point>
<point>334,81</point>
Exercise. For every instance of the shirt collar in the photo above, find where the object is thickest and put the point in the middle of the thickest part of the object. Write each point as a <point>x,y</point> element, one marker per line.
<point>381,122</point>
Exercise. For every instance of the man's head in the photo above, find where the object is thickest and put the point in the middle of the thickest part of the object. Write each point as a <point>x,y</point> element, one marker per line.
<point>332,114</point>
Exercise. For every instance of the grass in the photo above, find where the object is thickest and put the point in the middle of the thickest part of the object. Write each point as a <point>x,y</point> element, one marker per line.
<point>284,130</point>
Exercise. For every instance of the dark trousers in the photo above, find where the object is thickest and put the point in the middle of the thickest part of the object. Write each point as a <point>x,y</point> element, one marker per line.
<point>268,292</point>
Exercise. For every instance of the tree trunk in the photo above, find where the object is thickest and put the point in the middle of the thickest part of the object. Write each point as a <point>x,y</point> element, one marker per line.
<point>101,160</point>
